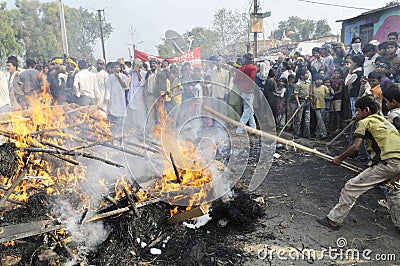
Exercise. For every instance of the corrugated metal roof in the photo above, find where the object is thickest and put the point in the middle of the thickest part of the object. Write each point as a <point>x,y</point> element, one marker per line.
<point>388,6</point>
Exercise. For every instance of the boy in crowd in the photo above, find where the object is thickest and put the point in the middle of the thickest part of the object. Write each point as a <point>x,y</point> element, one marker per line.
<point>392,98</point>
<point>383,68</point>
<point>302,95</point>
<point>374,80</point>
<point>370,54</point>
<point>382,48</point>
<point>337,84</point>
<point>320,91</point>
<point>353,80</point>
<point>393,60</point>
<point>384,145</point>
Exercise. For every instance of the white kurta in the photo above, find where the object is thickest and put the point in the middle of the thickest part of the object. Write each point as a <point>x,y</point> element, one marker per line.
<point>115,93</point>
<point>135,95</point>
<point>102,77</point>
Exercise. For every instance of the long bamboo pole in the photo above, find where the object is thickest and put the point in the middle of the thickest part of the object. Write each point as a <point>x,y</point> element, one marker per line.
<point>341,132</point>
<point>282,140</point>
<point>290,120</point>
<point>15,183</point>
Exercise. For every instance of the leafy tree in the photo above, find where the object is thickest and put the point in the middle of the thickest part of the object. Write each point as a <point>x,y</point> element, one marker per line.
<point>30,32</point>
<point>39,30</point>
<point>204,38</point>
<point>8,35</point>
<point>231,27</point>
<point>322,28</point>
<point>83,31</point>
<point>165,50</point>
<point>299,29</point>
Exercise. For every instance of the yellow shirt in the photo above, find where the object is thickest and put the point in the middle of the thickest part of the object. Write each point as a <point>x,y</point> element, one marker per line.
<point>319,96</point>
<point>383,139</point>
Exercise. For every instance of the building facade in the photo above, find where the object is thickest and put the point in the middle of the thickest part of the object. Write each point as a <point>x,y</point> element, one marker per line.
<point>372,25</point>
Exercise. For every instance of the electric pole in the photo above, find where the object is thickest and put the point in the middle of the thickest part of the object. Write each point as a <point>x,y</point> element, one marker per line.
<point>101,19</point>
<point>255,33</point>
<point>63,29</point>
<point>133,33</point>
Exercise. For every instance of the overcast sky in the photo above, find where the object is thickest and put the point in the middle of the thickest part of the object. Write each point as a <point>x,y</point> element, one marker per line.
<point>150,19</point>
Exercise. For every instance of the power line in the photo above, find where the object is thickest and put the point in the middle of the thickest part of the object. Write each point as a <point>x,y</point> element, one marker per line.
<point>325,4</point>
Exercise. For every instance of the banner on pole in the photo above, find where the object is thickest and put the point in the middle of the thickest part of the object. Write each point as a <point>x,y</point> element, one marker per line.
<point>193,55</point>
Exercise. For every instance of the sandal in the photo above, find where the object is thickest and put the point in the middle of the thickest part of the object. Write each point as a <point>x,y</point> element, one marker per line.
<point>324,220</point>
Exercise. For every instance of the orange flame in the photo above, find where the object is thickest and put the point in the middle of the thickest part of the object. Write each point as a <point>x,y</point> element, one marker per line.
<point>9,243</point>
<point>193,172</point>
<point>46,174</point>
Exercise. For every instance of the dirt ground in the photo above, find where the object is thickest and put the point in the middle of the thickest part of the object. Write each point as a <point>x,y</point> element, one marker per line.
<point>301,187</point>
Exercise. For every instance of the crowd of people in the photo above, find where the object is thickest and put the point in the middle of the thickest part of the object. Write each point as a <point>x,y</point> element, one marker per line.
<point>319,92</point>
<point>335,87</point>
<point>130,89</point>
<point>311,96</point>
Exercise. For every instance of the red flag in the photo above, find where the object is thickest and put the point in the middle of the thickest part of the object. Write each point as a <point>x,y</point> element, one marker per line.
<point>193,55</point>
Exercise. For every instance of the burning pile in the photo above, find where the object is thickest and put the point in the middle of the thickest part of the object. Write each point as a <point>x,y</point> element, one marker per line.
<point>50,169</point>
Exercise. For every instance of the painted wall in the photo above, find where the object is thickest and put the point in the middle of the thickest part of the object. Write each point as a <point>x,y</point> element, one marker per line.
<point>352,30</point>
<point>388,21</point>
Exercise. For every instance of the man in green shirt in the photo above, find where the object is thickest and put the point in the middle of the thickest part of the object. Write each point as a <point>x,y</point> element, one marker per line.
<point>302,96</point>
<point>383,141</point>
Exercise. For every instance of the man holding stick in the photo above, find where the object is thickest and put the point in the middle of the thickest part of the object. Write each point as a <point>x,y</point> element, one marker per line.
<point>383,142</point>
<point>302,95</point>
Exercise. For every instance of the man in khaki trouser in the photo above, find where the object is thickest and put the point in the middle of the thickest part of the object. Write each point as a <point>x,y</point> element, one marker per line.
<point>383,142</point>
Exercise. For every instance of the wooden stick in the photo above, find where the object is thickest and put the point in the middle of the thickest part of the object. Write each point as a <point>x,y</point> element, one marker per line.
<point>7,134</point>
<point>190,214</point>
<point>18,231</point>
<point>64,158</point>
<point>16,202</point>
<point>95,143</point>
<point>111,200</point>
<point>141,146</point>
<point>82,108</point>
<point>15,183</point>
<point>99,142</point>
<point>178,177</point>
<point>120,149</point>
<point>87,155</point>
<point>341,132</point>
<point>58,129</point>
<point>157,240</point>
<point>85,211</point>
<point>84,154</point>
<point>279,139</point>
<point>10,135</point>
<point>290,120</point>
<point>122,210</point>
<point>132,202</point>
